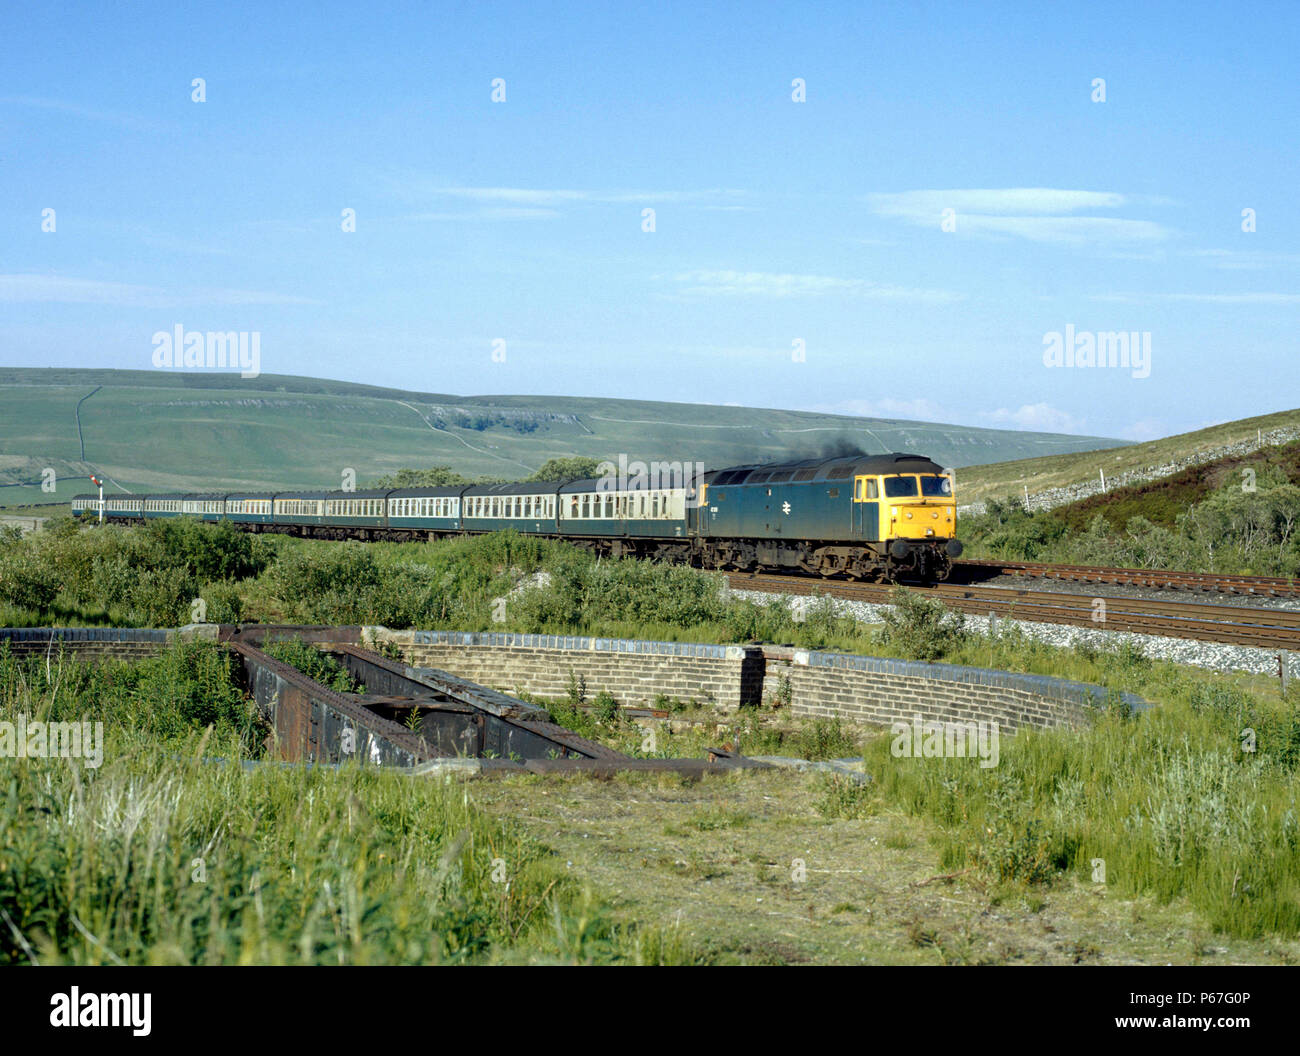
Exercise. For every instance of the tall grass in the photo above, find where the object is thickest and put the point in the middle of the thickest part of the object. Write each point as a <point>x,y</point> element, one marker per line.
<point>164,856</point>
<point>1168,800</point>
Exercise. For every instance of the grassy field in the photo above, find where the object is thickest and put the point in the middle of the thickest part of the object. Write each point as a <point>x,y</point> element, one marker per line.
<point>985,481</point>
<point>173,851</point>
<point>714,864</point>
<point>161,431</point>
<point>1195,820</point>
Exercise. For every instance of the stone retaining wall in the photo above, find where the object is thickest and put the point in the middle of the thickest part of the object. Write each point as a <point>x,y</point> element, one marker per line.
<point>633,671</point>
<point>864,689</point>
<point>88,643</point>
<point>859,688</point>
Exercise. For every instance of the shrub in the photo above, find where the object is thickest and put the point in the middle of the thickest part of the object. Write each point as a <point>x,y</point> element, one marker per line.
<point>207,551</point>
<point>225,604</point>
<point>315,664</point>
<point>824,739</point>
<point>26,581</point>
<point>921,628</point>
<point>605,707</point>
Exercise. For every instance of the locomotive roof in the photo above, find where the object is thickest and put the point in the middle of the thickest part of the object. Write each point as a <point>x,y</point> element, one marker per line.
<point>829,468</point>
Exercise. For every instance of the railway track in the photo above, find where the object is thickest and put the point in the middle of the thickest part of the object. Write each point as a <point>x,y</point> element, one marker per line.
<point>1263,586</point>
<point>1232,625</point>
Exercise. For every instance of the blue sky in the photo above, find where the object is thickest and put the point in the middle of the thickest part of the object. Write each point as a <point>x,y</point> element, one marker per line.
<point>775,221</point>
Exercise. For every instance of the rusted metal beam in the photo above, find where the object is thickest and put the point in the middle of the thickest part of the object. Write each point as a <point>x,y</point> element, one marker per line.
<point>421,717</point>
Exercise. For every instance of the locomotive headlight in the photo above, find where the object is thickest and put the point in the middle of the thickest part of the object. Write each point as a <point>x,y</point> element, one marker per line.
<point>893,511</point>
<point>909,515</point>
<point>929,531</point>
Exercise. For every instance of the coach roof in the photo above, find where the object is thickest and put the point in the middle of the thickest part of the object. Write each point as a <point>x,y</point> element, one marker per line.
<point>533,487</point>
<point>440,491</point>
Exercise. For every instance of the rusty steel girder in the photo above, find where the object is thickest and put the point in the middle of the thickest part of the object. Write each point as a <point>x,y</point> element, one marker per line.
<point>457,719</point>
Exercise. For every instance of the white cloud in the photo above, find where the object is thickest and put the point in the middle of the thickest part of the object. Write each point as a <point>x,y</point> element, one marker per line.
<point>541,203</point>
<point>1008,201</point>
<point>534,196</point>
<point>1245,259</point>
<point>55,289</point>
<point>920,409</point>
<point>1037,417</point>
<point>1145,429</point>
<point>1259,297</point>
<point>77,110</point>
<point>780,284</point>
<point>494,213</point>
<point>1040,214</point>
<point>1060,228</point>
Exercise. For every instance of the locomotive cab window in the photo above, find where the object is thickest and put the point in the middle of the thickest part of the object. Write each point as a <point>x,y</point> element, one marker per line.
<point>900,487</point>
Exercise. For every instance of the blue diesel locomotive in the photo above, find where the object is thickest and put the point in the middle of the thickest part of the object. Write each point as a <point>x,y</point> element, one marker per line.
<point>878,517</point>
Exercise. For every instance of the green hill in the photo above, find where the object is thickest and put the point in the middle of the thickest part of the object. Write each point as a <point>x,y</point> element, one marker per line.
<point>169,431</point>
<point>1079,467</point>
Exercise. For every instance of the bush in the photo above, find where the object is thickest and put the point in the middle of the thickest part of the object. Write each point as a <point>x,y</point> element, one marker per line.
<point>605,707</point>
<point>207,551</point>
<point>316,665</point>
<point>26,581</point>
<point>921,628</point>
<point>824,739</point>
<point>224,602</point>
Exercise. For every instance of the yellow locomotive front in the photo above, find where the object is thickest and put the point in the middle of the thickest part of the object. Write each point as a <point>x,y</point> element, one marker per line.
<point>916,522</point>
